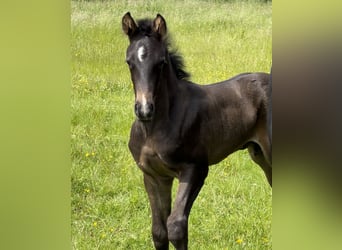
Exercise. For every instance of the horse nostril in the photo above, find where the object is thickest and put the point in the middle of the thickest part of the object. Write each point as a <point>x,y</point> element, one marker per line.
<point>136,107</point>
<point>144,111</point>
<point>151,107</point>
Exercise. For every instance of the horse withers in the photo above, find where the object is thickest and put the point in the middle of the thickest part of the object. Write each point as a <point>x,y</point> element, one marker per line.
<point>181,128</point>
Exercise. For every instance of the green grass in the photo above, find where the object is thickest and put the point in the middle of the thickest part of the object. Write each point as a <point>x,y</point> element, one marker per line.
<point>110,209</point>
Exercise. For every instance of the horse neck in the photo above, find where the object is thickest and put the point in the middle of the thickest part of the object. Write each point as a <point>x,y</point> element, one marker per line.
<point>168,87</point>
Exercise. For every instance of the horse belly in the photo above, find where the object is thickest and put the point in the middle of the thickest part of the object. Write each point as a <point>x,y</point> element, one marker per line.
<point>218,154</point>
<point>228,137</point>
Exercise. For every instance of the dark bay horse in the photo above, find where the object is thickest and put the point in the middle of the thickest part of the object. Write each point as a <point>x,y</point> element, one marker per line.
<point>182,128</point>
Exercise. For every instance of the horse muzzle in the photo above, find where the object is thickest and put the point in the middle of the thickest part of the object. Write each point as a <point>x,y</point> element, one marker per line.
<point>144,111</point>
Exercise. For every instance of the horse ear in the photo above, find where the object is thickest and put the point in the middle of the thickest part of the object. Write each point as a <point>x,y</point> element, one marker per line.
<point>128,24</point>
<point>159,25</point>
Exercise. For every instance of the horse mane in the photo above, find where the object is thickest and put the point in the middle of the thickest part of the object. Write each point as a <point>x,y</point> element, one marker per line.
<point>178,66</point>
<point>176,59</point>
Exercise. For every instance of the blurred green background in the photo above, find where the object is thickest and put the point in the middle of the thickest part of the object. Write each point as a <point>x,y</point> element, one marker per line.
<point>35,163</point>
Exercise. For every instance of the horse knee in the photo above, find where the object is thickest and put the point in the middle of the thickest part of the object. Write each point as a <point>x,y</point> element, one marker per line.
<point>177,229</point>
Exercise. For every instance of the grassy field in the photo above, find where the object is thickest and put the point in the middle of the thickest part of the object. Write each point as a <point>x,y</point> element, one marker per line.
<point>110,209</point>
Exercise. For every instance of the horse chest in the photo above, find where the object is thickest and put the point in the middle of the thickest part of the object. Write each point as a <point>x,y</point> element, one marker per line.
<point>153,162</point>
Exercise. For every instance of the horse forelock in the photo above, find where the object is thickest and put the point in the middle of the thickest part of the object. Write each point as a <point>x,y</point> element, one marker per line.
<point>145,27</point>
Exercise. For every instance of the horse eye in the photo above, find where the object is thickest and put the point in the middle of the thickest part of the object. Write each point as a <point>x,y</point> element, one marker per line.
<point>130,65</point>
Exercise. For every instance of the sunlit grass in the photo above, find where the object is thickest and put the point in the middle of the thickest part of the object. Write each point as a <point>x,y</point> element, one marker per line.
<point>110,209</point>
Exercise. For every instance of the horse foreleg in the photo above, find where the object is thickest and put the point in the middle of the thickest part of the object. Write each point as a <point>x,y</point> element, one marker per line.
<point>159,193</point>
<point>191,180</point>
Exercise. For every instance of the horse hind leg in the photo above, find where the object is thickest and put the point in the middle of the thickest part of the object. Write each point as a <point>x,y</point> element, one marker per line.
<point>263,158</point>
